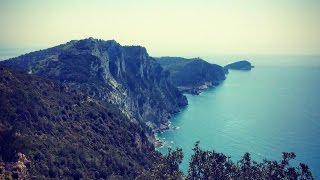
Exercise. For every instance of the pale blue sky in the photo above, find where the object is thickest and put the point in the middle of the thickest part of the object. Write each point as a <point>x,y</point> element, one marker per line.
<point>167,27</point>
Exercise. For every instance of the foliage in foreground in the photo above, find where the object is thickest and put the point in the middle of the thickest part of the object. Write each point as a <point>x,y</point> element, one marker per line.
<point>213,165</point>
<point>166,167</point>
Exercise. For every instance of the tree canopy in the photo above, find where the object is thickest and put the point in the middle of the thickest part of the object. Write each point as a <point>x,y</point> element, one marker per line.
<point>212,165</point>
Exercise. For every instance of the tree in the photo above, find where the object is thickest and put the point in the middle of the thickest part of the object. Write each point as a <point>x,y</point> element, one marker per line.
<point>166,167</point>
<point>209,165</point>
<point>212,165</point>
<point>11,142</point>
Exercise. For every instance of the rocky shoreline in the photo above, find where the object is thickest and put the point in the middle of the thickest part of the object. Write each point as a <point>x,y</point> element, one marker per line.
<point>158,142</point>
<point>197,90</point>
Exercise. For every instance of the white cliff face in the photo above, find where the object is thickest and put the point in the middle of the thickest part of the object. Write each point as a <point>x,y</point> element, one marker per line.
<point>143,91</point>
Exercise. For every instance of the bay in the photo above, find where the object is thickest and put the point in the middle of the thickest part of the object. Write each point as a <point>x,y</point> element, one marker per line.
<point>272,109</point>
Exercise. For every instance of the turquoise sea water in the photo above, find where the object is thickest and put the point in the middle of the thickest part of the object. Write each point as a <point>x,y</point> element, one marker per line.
<point>272,109</point>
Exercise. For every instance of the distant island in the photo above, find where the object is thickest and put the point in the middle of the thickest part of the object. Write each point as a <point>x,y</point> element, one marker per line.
<point>192,75</point>
<point>239,65</point>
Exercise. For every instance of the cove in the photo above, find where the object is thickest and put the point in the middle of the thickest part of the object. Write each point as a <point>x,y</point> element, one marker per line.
<point>265,112</point>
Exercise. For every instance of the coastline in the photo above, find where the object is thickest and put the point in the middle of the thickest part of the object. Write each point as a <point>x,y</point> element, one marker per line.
<point>160,143</point>
<point>198,89</point>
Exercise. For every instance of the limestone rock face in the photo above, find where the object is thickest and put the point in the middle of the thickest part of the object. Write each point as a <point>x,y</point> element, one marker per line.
<point>123,75</point>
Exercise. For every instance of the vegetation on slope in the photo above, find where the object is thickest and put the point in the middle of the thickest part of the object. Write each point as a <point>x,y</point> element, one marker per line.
<point>65,133</point>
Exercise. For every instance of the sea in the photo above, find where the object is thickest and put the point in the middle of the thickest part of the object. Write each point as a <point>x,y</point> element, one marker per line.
<point>6,53</point>
<point>271,109</point>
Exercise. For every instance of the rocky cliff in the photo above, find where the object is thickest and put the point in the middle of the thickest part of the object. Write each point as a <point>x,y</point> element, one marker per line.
<point>192,75</point>
<point>124,75</point>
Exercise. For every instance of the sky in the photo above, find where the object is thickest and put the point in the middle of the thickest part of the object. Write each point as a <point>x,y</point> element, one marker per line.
<point>167,27</point>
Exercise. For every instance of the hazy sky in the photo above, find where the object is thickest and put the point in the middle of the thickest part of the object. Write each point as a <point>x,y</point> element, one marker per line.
<point>167,27</point>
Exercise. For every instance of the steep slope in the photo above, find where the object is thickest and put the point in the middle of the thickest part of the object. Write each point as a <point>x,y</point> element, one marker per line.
<point>66,134</point>
<point>192,75</point>
<point>124,75</point>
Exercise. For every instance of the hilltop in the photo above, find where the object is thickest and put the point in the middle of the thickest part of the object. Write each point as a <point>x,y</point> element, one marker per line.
<point>192,75</point>
<point>123,75</point>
